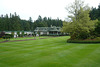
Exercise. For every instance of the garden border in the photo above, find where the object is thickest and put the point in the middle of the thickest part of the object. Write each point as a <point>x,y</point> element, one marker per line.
<point>83,41</point>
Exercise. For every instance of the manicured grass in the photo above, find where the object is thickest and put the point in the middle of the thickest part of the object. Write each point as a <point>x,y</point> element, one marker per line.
<point>24,38</point>
<point>1,39</point>
<point>51,52</point>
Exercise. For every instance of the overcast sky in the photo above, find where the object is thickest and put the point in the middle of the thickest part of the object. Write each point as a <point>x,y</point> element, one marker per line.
<point>34,8</point>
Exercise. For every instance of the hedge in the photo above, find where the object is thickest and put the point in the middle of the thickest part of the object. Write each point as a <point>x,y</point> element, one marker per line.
<point>83,41</point>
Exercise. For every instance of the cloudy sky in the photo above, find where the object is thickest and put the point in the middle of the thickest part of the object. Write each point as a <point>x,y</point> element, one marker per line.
<point>34,8</point>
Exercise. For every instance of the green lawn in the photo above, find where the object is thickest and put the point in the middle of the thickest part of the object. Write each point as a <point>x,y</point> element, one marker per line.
<point>26,38</point>
<point>51,52</point>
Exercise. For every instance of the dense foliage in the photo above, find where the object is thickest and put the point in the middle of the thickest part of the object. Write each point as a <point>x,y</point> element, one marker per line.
<point>97,29</point>
<point>81,26</point>
<point>47,22</point>
<point>15,23</point>
<point>95,13</point>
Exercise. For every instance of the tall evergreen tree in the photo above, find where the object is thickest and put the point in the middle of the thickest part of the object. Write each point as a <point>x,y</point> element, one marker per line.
<point>30,23</point>
<point>95,13</point>
<point>14,23</point>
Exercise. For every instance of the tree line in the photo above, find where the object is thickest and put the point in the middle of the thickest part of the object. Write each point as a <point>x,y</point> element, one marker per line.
<point>95,13</point>
<point>15,23</point>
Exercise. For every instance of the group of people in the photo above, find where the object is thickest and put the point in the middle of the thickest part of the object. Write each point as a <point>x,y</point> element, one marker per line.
<point>15,36</point>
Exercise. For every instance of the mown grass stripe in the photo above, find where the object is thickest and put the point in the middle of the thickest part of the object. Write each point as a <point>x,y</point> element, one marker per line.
<point>91,60</point>
<point>52,52</point>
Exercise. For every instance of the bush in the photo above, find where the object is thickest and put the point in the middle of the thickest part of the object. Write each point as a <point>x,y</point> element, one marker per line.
<point>97,29</point>
<point>97,38</point>
<point>6,37</point>
<point>83,35</point>
<point>18,33</point>
<point>10,35</point>
<point>2,34</point>
<point>92,37</point>
<point>1,38</point>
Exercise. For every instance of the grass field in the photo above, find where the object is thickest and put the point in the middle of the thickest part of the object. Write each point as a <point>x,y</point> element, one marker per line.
<point>26,38</point>
<point>51,52</point>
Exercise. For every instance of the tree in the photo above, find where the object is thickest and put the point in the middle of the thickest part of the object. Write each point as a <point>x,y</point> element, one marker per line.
<point>7,23</point>
<point>39,18</point>
<point>74,8</point>
<point>81,25</point>
<point>27,26</point>
<point>99,12</point>
<point>95,13</point>
<point>2,34</point>
<point>15,21</point>
<point>97,29</point>
<point>30,23</point>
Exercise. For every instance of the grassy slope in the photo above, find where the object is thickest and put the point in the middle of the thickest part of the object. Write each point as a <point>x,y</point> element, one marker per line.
<point>52,52</point>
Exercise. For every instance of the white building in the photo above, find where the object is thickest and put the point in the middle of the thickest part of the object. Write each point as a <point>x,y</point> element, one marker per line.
<point>53,30</point>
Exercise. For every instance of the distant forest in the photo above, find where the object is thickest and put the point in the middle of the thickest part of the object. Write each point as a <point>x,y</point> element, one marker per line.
<point>15,23</point>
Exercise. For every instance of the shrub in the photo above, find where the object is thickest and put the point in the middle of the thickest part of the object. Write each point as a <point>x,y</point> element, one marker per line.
<point>1,38</point>
<point>97,29</point>
<point>92,37</point>
<point>2,34</point>
<point>97,38</point>
<point>18,33</point>
<point>6,37</point>
<point>83,35</point>
<point>12,33</point>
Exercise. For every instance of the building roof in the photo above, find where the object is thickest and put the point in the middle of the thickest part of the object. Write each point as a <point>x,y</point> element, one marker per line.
<point>44,29</point>
<point>15,31</point>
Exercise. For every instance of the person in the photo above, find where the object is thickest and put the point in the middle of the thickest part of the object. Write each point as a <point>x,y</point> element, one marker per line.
<point>17,35</point>
<point>34,36</point>
<point>37,35</point>
<point>14,36</point>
